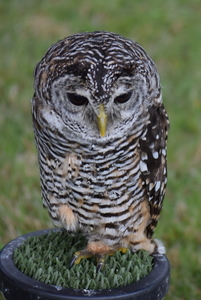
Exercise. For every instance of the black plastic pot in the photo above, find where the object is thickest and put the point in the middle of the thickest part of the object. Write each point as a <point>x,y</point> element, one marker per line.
<point>17,286</point>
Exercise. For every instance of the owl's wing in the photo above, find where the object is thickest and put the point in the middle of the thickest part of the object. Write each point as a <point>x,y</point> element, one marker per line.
<point>153,163</point>
<point>51,156</point>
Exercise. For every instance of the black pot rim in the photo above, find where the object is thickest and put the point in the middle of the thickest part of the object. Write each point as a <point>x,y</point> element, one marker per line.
<point>156,283</point>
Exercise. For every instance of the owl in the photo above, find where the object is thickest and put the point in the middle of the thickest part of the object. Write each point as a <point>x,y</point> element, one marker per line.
<point>101,131</point>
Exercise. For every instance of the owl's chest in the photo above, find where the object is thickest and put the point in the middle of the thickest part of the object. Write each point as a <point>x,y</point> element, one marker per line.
<point>106,175</point>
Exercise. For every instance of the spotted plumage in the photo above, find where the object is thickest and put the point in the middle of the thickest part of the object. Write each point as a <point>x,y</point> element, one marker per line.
<point>101,131</point>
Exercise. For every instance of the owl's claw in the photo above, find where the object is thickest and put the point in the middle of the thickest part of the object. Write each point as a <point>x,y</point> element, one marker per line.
<point>100,263</point>
<point>77,257</point>
<point>73,260</point>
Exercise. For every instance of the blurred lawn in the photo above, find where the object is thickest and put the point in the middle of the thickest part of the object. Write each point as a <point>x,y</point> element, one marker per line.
<point>170,31</point>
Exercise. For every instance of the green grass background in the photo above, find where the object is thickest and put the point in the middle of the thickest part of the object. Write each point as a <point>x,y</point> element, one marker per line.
<point>170,31</point>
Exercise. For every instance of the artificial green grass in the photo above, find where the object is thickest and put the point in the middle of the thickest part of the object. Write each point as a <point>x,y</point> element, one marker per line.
<point>47,257</point>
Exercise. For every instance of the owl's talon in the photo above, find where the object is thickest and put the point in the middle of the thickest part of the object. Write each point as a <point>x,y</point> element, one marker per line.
<point>71,263</point>
<point>78,256</point>
<point>73,260</point>
<point>100,263</point>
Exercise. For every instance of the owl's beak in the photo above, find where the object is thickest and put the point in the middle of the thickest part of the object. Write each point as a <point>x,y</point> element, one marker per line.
<point>102,120</point>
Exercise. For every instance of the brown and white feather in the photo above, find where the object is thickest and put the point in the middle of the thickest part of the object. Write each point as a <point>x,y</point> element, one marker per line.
<point>112,187</point>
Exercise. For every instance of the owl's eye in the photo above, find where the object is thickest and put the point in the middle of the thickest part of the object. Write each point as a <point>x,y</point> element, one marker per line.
<point>76,99</point>
<point>123,98</point>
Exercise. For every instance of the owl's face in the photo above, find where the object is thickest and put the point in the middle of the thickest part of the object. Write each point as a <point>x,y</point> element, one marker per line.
<point>96,87</point>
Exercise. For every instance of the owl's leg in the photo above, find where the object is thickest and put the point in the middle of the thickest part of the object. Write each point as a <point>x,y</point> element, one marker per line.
<point>97,248</point>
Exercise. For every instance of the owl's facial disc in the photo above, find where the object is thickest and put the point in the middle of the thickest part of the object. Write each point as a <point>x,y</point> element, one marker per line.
<point>102,120</point>
<point>86,113</point>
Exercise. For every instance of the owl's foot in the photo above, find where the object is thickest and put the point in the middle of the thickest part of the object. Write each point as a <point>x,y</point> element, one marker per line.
<point>101,258</point>
<point>100,255</point>
<point>77,257</point>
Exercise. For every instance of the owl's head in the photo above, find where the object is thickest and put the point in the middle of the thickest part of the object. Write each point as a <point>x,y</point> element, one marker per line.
<point>96,85</point>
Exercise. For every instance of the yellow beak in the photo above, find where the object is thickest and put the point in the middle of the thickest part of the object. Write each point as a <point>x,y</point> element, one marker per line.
<point>102,120</point>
